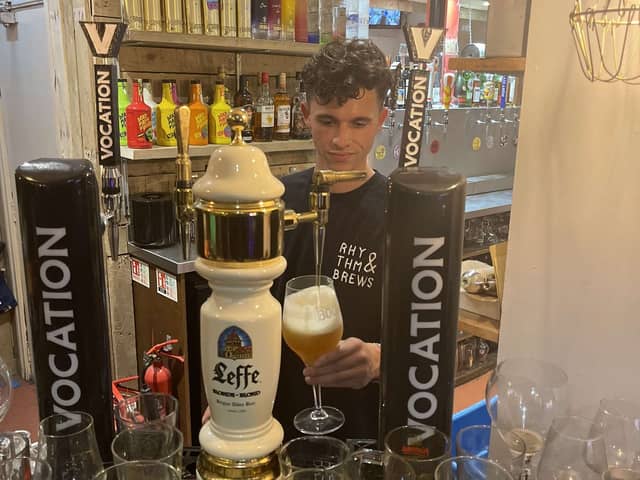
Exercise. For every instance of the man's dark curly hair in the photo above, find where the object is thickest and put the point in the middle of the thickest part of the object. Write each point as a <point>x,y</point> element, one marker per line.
<point>344,70</point>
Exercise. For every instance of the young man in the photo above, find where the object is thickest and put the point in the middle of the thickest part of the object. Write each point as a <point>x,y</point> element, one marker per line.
<point>346,84</point>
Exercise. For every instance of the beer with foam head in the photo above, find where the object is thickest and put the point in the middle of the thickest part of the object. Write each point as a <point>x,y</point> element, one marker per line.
<point>312,322</point>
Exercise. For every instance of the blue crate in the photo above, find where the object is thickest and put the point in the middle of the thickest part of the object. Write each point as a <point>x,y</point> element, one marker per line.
<point>476,414</point>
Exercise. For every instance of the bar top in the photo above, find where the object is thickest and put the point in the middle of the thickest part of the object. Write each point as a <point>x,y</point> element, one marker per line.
<point>170,258</point>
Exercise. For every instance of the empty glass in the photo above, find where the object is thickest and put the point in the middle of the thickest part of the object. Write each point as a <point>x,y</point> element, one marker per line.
<point>619,422</point>
<point>573,450</point>
<point>25,469</point>
<point>523,397</point>
<point>159,442</point>
<point>5,389</point>
<point>471,468</point>
<point>422,447</point>
<point>141,470</point>
<point>478,441</point>
<point>326,453</point>
<point>67,442</point>
<point>378,465</point>
<point>14,444</point>
<point>145,408</point>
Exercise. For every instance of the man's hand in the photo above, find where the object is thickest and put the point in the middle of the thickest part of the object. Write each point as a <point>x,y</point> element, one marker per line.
<point>353,364</point>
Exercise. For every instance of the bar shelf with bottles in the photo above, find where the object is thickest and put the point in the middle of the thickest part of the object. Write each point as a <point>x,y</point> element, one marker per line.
<point>286,27</point>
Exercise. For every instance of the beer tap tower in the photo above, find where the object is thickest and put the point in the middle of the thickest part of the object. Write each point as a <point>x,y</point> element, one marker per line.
<point>240,222</point>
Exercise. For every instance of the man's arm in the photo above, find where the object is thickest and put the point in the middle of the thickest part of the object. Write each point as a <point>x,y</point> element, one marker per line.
<point>353,364</point>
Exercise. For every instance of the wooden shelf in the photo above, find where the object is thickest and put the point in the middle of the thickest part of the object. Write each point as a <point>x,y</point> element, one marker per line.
<point>157,153</point>
<point>478,325</point>
<point>229,44</point>
<point>489,64</point>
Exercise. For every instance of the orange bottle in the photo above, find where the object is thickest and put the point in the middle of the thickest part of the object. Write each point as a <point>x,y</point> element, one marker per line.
<point>139,129</point>
<point>199,124</point>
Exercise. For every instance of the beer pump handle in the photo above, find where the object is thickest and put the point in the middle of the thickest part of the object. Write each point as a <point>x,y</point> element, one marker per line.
<point>185,212</point>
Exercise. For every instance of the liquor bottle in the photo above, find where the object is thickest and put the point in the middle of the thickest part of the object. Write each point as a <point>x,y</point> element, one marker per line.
<point>219,130</point>
<point>222,78</point>
<point>166,130</point>
<point>325,20</point>
<point>199,124</point>
<point>147,97</point>
<point>244,18</point>
<point>274,19</point>
<point>228,19</point>
<point>282,108</point>
<point>313,26</point>
<point>152,15</point>
<point>288,18</point>
<point>173,18</point>
<point>211,17</point>
<point>260,19</point>
<point>353,18</point>
<point>476,91</point>
<point>363,19</point>
<point>193,17</point>
<point>299,128</point>
<point>123,103</point>
<point>301,31</point>
<point>134,14</point>
<point>244,99</point>
<point>339,24</point>
<point>263,117</point>
<point>139,132</point>
<point>468,80</point>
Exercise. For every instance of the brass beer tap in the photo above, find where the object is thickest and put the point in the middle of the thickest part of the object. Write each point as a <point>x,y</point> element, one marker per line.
<point>185,213</point>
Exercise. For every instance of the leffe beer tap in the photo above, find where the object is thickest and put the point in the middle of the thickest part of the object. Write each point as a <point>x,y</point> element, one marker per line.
<point>185,213</point>
<point>240,222</point>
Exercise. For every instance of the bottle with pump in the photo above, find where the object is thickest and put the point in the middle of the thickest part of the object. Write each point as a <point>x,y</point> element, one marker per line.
<point>166,116</point>
<point>274,19</point>
<point>313,27</point>
<point>139,133</point>
<point>219,130</point>
<point>263,117</point>
<point>211,17</point>
<point>282,108</point>
<point>123,103</point>
<point>260,19</point>
<point>228,19</point>
<point>147,97</point>
<point>199,122</point>
<point>244,100</point>
<point>301,23</point>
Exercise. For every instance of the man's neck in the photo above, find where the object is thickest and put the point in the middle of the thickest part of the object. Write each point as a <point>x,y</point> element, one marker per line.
<point>344,187</point>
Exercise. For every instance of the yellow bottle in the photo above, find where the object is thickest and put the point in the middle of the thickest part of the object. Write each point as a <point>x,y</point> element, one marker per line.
<point>199,124</point>
<point>219,131</point>
<point>166,123</point>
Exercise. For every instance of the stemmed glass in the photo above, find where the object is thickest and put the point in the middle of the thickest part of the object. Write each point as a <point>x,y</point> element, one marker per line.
<point>523,397</point>
<point>619,422</point>
<point>5,389</point>
<point>312,326</point>
<point>574,450</point>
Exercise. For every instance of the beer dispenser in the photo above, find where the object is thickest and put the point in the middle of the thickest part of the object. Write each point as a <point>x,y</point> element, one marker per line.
<point>240,220</point>
<point>423,249</point>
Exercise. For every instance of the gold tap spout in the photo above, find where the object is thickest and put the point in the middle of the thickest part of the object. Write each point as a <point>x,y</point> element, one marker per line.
<point>185,212</point>
<point>319,197</point>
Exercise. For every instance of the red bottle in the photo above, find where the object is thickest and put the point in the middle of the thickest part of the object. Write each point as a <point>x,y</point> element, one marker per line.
<point>139,131</point>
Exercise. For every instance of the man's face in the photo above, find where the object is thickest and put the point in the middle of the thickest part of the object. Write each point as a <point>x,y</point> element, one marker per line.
<point>343,134</point>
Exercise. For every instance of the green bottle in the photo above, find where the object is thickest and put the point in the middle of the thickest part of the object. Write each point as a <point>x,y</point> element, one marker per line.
<point>123,103</point>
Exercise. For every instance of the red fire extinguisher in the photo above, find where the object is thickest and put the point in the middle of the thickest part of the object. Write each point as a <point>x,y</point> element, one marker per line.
<point>156,376</point>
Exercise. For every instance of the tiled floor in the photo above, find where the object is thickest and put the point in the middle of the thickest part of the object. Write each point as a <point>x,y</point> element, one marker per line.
<point>23,413</point>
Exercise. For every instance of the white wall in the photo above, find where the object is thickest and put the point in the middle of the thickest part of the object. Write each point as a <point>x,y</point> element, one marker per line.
<point>26,86</point>
<point>572,294</point>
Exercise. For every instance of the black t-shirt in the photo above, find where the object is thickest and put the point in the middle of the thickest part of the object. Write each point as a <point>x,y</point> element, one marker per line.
<point>353,258</point>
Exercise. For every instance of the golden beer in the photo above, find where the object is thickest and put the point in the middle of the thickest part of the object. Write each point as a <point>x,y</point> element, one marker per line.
<point>312,322</point>
<point>311,347</point>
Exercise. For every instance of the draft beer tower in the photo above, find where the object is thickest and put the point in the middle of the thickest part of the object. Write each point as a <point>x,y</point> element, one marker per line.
<point>240,221</point>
